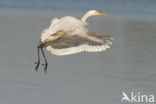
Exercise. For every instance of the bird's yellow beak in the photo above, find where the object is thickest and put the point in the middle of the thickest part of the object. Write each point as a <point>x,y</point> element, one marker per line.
<point>98,13</point>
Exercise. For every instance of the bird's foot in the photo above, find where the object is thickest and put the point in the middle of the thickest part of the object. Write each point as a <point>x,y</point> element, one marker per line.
<point>45,67</point>
<point>37,65</point>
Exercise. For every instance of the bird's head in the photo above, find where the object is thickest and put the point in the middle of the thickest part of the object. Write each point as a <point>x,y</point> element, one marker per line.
<point>91,13</point>
<point>94,12</point>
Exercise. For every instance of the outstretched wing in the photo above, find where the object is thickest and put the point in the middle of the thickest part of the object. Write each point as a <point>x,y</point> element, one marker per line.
<point>71,42</point>
<point>66,23</point>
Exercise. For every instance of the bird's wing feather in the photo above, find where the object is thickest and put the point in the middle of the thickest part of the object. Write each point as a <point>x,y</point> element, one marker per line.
<point>66,23</point>
<point>53,22</point>
<point>71,42</point>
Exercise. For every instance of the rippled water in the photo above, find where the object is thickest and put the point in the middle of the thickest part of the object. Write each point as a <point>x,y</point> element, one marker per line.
<point>85,78</point>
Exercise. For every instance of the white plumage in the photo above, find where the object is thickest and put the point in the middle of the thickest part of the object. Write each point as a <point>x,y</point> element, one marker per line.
<point>75,41</point>
<point>69,35</point>
<point>66,23</point>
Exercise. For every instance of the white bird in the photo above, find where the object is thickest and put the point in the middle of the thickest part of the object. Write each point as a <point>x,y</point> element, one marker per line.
<point>69,35</point>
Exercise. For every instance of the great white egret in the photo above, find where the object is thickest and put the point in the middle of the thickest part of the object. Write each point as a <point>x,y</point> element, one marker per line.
<point>69,35</point>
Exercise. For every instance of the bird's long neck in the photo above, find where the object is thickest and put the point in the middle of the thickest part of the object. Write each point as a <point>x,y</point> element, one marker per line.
<point>85,17</point>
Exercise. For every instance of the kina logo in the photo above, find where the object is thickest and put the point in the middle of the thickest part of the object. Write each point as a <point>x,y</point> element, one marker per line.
<point>137,97</point>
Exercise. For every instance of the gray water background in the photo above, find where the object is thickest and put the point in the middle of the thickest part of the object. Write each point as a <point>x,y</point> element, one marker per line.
<point>141,7</point>
<point>85,78</point>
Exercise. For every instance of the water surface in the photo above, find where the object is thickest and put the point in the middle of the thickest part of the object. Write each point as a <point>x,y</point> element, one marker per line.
<point>85,78</point>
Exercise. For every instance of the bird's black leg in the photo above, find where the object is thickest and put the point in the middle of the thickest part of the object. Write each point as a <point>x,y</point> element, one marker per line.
<point>37,63</point>
<point>46,63</point>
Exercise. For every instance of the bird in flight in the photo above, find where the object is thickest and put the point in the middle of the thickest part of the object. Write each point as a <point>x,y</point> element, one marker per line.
<point>69,35</point>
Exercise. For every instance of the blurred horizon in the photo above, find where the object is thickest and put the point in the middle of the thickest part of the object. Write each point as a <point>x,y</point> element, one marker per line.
<point>145,7</point>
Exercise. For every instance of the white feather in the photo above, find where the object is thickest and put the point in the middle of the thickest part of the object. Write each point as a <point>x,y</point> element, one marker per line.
<point>66,23</point>
<point>77,49</point>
